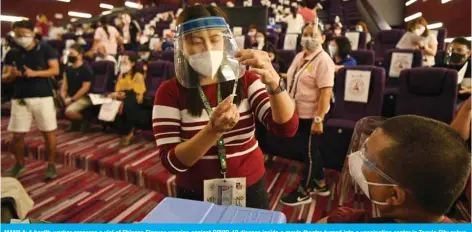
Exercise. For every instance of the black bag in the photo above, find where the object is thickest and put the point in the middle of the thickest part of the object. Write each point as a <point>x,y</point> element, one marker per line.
<point>58,100</point>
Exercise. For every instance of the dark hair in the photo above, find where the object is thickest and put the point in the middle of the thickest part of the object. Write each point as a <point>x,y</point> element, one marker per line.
<point>133,58</point>
<point>294,11</point>
<point>269,48</point>
<point>427,157</point>
<point>38,37</point>
<point>420,20</point>
<point>104,22</point>
<point>302,4</point>
<point>344,46</point>
<point>364,26</point>
<point>463,41</point>
<point>77,47</point>
<point>252,26</point>
<point>194,102</point>
<point>23,24</point>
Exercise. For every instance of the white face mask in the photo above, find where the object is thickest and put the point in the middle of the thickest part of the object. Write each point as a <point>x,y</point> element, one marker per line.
<point>337,31</point>
<point>124,68</point>
<point>355,169</point>
<point>260,40</point>
<point>309,43</point>
<point>206,63</point>
<point>419,31</point>
<point>24,42</point>
<point>251,33</point>
<point>332,51</point>
<point>359,29</point>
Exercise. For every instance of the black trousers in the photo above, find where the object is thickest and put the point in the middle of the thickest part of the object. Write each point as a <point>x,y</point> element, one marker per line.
<point>256,195</point>
<point>133,115</point>
<point>308,146</point>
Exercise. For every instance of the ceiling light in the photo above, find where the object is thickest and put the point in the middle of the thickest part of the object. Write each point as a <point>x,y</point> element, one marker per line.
<point>9,18</point>
<point>63,0</point>
<point>58,16</point>
<point>106,6</point>
<point>107,12</point>
<point>133,5</point>
<point>79,14</point>
<point>410,2</point>
<point>73,19</point>
<point>445,1</point>
<point>413,16</point>
<point>434,25</point>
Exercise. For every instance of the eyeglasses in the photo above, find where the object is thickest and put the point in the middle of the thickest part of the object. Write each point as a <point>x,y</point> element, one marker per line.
<point>372,165</point>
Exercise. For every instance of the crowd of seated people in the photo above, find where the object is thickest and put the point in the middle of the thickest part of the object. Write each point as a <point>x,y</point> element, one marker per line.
<point>301,111</point>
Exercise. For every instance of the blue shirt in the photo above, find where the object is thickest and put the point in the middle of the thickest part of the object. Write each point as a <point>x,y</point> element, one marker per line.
<point>348,62</point>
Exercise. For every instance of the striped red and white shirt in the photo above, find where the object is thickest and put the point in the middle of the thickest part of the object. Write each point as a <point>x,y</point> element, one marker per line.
<point>173,124</point>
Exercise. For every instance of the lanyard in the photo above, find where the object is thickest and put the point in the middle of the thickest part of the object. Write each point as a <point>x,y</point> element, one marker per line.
<point>220,143</point>
<point>297,77</point>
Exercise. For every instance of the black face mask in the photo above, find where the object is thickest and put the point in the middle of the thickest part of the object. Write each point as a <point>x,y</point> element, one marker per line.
<point>456,57</point>
<point>71,59</point>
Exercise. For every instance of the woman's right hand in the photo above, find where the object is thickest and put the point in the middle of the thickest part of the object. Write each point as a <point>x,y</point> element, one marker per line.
<point>225,116</point>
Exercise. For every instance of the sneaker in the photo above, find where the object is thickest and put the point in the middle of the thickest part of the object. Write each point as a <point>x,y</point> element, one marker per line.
<point>73,127</point>
<point>320,191</point>
<point>17,170</point>
<point>51,171</point>
<point>295,198</point>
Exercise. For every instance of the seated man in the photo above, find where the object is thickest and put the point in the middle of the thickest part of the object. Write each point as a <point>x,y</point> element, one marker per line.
<point>459,55</point>
<point>75,87</point>
<point>412,168</point>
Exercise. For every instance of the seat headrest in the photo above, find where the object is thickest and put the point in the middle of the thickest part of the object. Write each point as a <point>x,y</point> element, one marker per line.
<point>156,68</point>
<point>425,81</point>
<point>100,67</point>
<point>390,36</point>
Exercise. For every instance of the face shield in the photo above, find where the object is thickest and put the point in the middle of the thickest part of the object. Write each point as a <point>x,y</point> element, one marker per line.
<point>347,187</point>
<point>205,48</point>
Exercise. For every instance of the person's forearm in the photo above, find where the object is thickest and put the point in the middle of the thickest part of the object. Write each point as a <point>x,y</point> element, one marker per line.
<point>429,51</point>
<point>190,151</point>
<point>47,73</point>
<point>7,77</point>
<point>82,91</point>
<point>64,92</point>
<point>282,107</point>
<point>462,123</point>
<point>323,104</point>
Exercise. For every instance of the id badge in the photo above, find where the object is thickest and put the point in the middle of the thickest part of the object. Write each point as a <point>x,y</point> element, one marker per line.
<point>230,191</point>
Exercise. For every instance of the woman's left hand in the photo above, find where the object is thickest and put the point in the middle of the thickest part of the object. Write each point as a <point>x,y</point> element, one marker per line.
<point>317,128</point>
<point>260,64</point>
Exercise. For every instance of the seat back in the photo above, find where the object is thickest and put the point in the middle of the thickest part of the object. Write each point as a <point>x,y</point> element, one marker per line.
<point>103,73</point>
<point>428,92</point>
<point>393,64</point>
<point>156,74</point>
<point>155,55</point>
<point>357,37</point>
<point>352,110</point>
<point>168,55</point>
<point>386,40</point>
<point>363,56</point>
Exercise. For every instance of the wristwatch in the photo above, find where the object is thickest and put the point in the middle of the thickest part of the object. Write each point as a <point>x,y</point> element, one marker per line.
<point>317,120</point>
<point>279,89</point>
